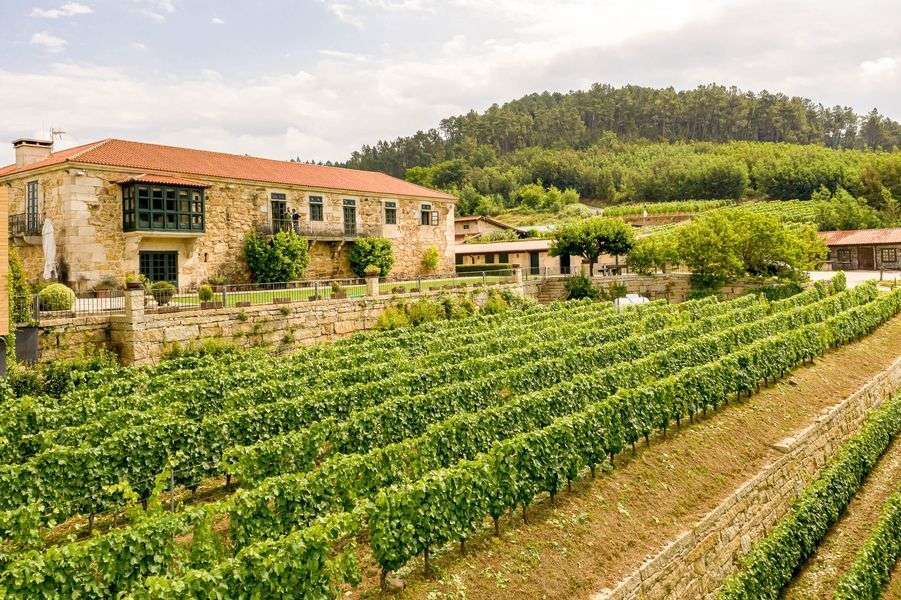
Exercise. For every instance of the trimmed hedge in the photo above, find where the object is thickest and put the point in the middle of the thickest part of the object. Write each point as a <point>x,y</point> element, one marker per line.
<point>873,565</point>
<point>56,296</point>
<point>486,267</point>
<point>774,560</point>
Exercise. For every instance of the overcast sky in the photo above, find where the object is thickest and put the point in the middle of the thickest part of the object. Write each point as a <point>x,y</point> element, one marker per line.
<point>319,78</point>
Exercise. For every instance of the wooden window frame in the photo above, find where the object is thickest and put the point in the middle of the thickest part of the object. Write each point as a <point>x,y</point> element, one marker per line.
<point>152,260</point>
<point>166,208</point>
<point>317,213</point>
<point>893,252</point>
<point>390,212</point>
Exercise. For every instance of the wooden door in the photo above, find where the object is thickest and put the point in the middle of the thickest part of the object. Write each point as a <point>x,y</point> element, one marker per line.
<point>866,258</point>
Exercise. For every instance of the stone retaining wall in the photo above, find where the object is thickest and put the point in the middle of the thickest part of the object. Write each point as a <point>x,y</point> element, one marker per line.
<point>140,338</point>
<point>698,561</point>
<point>674,287</point>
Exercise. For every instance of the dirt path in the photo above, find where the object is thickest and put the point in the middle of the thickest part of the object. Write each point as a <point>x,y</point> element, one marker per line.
<point>837,550</point>
<point>893,590</point>
<point>607,526</point>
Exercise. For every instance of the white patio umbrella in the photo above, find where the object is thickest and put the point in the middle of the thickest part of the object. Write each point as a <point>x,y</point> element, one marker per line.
<point>48,242</point>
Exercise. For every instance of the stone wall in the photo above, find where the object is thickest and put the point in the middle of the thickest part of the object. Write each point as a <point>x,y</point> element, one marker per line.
<point>674,287</point>
<point>698,561</point>
<point>85,206</point>
<point>67,337</point>
<point>140,338</point>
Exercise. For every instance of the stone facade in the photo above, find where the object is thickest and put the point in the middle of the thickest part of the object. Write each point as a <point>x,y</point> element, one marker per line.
<point>699,561</point>
<point>85,206</point>
<point>871,257</point>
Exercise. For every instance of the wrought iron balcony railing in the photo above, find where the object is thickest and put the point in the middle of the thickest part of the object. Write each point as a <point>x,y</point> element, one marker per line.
<point>320,230</point>
<point>23,224</point>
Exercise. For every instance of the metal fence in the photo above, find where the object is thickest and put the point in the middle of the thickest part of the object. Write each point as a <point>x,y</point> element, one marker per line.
<point>321,229</point>
<point>29,308</point>
<point>536,273</point>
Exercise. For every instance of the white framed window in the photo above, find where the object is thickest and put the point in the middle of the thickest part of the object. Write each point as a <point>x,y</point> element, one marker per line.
<point>427,216</point>
<point>315,208</point>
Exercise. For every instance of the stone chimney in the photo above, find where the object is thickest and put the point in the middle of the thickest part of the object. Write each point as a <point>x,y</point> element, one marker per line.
<point>30,151</point>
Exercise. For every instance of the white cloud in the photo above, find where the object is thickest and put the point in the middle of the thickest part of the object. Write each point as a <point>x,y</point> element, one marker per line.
<point>345,13</point>
<point>217,21</point>
<point>879,69</point>
<point>156,10</point>
<point>139,46</point>
<point>358,94</point>
<point>49,42</point>
<point>68,9</point>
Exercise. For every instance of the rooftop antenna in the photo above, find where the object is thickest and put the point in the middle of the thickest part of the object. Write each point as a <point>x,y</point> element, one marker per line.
<point>56,133</point>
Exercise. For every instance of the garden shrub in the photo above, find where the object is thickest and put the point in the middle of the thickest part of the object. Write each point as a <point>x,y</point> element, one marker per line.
<point>162,292</point>
<point>494,304</point>
<point>839,282</point>
<point>205,293</point>
<point>430,259</point>
<point>279,258</point>
<point>56,296</point>
<point>367,251</point>
<point>424,311</point>
<point>18,289</point>
<point>580,286</point>
<point>393,317</point>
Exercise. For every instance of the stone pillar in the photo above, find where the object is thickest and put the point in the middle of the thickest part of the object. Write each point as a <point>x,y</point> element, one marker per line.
<point>517,275</point>
<point>372,286</point>
<point>134,305</point>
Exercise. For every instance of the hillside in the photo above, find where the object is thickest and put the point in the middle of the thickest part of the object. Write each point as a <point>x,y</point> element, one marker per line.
<point>583,118</point>
<point>545,152</point>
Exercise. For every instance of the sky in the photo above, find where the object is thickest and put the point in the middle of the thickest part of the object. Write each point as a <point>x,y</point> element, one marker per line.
<point>319,78</point>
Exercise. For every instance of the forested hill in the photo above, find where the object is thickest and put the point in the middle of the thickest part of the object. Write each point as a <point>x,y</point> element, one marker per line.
<point>581,119</point>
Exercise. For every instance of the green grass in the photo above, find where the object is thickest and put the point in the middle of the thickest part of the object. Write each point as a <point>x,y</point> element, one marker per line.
<point>325,291</point>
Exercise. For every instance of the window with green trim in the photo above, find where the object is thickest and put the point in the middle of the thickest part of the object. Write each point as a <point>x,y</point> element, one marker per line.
<point>159,266</point>
<point>165,208</point>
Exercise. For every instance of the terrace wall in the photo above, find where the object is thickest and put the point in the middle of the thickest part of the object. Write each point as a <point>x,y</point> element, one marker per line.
<point>698,561</point>
<point>674,287</point>
<point>141,338</point>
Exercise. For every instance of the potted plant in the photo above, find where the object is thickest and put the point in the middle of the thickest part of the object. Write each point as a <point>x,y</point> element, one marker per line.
<point>135,282</point>
<point>162,292</point>
<point>372,271</point>
<point>205,294</point>
<point>105,287</point>
<point>338,291</point>
<point>217,282</point>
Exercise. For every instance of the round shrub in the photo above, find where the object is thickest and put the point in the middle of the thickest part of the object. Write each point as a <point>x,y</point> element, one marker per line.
<point>430,259</point>
<point>280,258</point>
<point>580,286</point>
<point>56,296</point>
<point>495,304</point>
<point>162,292</point>
<point>205,293</point>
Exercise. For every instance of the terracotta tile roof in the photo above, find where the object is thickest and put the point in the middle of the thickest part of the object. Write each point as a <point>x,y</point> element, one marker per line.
<point>495,222</point>
<point>187,161</point>
<point>517,246</point>
<point>165,180</point>
<point>862,237</point>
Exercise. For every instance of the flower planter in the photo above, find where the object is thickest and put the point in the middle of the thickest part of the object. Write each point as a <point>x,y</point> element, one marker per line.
<point>314,297</point>
<point>210,305</point>
<point>103,293</point>
<point>168,309</point>
<point>339,295</point>
<point>281,300</point>
<point>134,285</point>
<point>242,304</point>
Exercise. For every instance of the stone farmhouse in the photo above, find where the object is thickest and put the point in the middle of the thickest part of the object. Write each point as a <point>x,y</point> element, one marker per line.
<point>178,214</point>
<point>864,249</point>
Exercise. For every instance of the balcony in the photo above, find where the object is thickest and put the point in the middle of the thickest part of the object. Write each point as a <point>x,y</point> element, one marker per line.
<point>322,231</point>
<point>25,225</point>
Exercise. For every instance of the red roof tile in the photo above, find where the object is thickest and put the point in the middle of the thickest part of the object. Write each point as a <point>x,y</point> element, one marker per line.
<point>165,180</point>
<point>859,237</point>
<point>187,161</point>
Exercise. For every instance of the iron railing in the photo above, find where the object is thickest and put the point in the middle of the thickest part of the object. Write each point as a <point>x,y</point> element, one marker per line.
<point>28,308</point>
<point>321,230</point>
<point>25,224</point>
